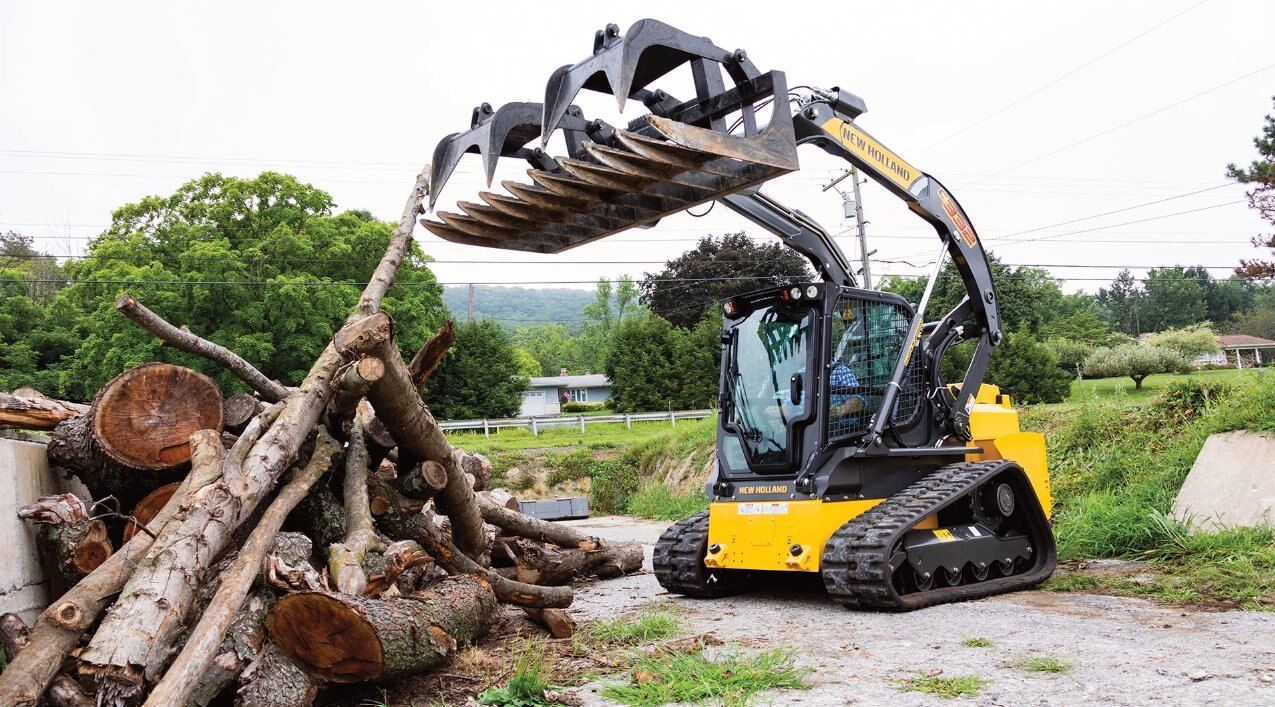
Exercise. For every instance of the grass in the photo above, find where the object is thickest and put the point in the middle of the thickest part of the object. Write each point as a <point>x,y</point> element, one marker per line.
<point>1071,583</point>
<point>1117,468</point>
<point>655,501</point>
<point>654,624</point>
<point>527,686</point>
<point>947,688</point>
<point>732,678</point>
<point>1046,664</point>
<point>1123,387</point>
<point>976,642</point>
<point>614,434</point>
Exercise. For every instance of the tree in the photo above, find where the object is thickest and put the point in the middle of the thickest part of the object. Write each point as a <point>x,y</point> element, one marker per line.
<point>480,377</point>
<point>1174,297</point>
<point>697,362</point>
<point>1261,174</point>
<point>261,266</point>
<point>1028,370</point>
<point>640,365</point>
<point>1192,341</point>
<point>1136,361</point>
<point>611,304</point>
<point>552,346</point>
<point>717,268</point>
<point>1121,303</point>
<point>1258,322</point>
<point>1070,354</point>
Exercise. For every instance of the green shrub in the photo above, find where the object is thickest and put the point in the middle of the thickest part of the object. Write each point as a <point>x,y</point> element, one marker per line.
<point>583,407</point>
<point>654,500</point>
<point>614,481</point>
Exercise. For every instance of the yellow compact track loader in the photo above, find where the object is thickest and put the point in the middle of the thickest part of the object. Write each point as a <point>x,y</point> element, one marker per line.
<point>840,449</point>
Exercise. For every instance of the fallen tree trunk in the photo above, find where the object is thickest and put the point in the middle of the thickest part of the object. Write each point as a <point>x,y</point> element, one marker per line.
<point>72,543</point>
<point>419,438</point>
<point>60,627</point>
<point>604,559</point>
<point>557,621</point>
<point>342,638</point>
<point>200,647</point>
<point>36,412</point>
<point>238,411</point>
<point>346,558</point>
<point>184,340</point>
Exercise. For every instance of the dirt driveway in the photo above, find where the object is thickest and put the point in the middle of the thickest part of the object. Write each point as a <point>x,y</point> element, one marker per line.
<point>1124,651</point>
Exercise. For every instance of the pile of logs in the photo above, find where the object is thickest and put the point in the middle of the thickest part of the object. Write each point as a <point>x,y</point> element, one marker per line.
<point>266,545</point>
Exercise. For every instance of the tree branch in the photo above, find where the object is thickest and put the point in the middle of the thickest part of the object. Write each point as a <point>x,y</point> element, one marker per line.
<point>427,359</point>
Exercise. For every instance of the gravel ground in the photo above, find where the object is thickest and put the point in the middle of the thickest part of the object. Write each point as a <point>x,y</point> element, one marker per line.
<point>1125,651</point>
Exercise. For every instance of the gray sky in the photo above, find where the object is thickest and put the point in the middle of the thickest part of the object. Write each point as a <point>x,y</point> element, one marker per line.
<point>1110,105</point>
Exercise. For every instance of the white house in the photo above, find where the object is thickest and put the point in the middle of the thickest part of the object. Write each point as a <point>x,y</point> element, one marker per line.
<point>546,395</point>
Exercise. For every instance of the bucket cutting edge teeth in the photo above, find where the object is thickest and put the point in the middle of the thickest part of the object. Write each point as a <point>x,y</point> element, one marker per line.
<point>603,176</point>
<point>571,187</point>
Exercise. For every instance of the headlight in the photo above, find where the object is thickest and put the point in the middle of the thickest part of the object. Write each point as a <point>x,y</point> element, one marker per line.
<point>795,293</point>
<point>812,291</point>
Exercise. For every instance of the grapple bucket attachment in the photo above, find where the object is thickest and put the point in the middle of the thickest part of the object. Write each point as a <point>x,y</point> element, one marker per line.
<point>677,157</point>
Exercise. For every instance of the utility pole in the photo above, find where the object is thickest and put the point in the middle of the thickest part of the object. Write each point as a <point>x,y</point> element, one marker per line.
<point>863,231</point>
<point>857,215</point>
<point>470,317</point>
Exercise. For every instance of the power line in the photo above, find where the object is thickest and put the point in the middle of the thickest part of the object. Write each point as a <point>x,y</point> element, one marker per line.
<point>1116,211</point>
<point>1074,71</point>
<point>1126,223</point>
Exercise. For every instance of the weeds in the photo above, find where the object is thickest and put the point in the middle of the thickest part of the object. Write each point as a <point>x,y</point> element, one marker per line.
<point>655,501</point>
<point>947,688</point>
<point>527,686</point>
<point>732,678</point>
<point>1071,583</point>
<point>1046,664</point>
<point>976,642</point>
<point>652,625</point>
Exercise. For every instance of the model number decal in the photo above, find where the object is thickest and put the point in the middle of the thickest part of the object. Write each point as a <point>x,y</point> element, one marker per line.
<point>763,509</point>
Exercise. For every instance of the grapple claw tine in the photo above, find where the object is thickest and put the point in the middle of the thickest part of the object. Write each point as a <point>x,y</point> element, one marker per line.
<point>492,134</point>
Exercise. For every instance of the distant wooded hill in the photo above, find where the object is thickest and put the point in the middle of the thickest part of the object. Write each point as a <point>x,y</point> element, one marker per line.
<point>519,306</point>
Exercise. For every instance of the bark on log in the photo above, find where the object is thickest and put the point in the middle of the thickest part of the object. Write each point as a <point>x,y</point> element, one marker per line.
<point>148,508</point>
<point>423,481</point>
<point>184,340</point>
<point>419,438</point>
<point>499,497</point>
<point>36,412</point>
<point>557,621</point>
<point>14,635</point>
<point>321,517</point>
<point>200,648</point>
<point>605,559</point>
<point>66,692</point>
<point>351,386</point>
<point>144,417</point>
<point>479,469</point>
<point>238,410</point>
<point>346,558</point>
<point>134,636</point>
<point>429,355</point>
<point>274,680</point>
<point>341,638</point>
<point>71,543</point>
<point>72,449</point>
<point>60,627</point>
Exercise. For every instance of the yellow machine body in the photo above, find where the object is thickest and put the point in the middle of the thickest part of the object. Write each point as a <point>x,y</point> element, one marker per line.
<point>761,535</point>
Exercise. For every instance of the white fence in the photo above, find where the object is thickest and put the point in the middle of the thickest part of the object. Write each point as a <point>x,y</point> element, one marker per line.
<point>535,424</point>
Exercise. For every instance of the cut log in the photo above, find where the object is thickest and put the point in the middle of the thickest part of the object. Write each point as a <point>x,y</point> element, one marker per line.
<point>14,635</point>
<point>419,438</point>
<point>557,621</point>
<point>144,417</point>
<point>71,543</point>
<point>604,559</point>
<point>479,469</point>
<point>429,355</point>
<point>66,692</point>
<point>274,680</point>
<point>423,481</point>
<point>34,411</point>
<point>352,384</point>
<point>421,528</point>
<point>499,497</point>
<point>341,638</point>
<point>184,340</point>
<point>238,410</point>
<point>346,558</point>
<point>71,448</point>
<point>148,508</point>
<point>200,647</point>
<point>60,627</point>
<point>287,567</point>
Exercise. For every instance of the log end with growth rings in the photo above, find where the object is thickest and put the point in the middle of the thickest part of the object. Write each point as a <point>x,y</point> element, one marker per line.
<point>333,639</point>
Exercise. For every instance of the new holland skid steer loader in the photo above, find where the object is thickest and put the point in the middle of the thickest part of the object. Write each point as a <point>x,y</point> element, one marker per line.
<point>840,449</point>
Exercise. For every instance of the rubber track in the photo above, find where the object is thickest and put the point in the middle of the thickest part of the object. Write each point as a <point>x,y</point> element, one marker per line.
<point>856,560</point>
<point>679,562</point>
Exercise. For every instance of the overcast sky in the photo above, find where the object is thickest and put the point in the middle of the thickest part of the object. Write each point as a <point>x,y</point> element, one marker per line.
<point>1033,114</point>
